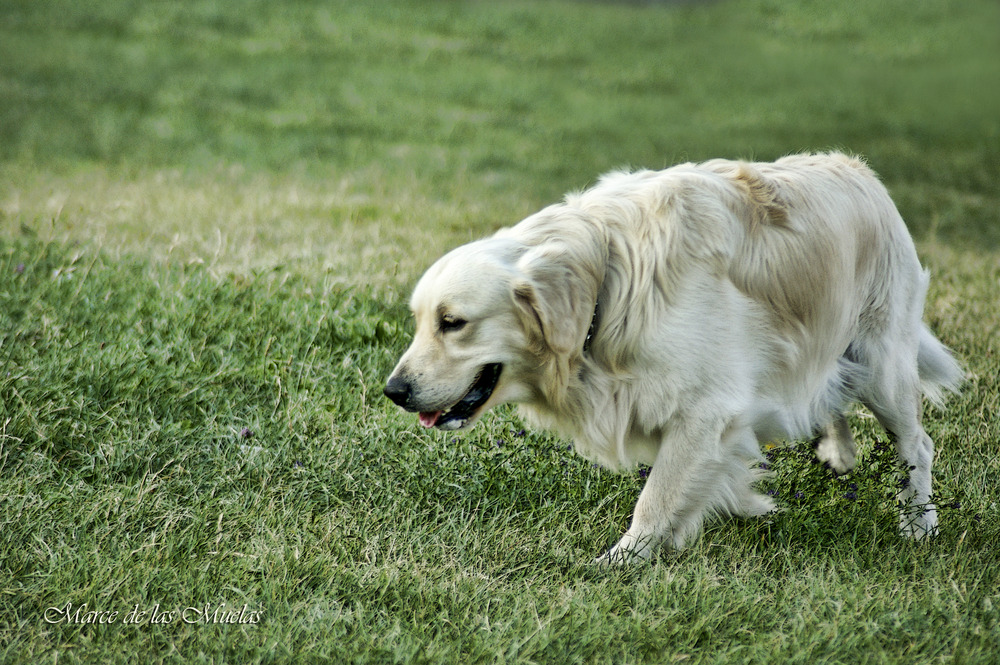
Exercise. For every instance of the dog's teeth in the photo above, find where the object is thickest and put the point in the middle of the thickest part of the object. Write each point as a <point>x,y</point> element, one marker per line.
<point>429,418</point>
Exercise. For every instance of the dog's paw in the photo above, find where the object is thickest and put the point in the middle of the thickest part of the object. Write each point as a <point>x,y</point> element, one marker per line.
<point>919,523</point>
<point>836,446</point>
<point>629,551</point>
<point>616,558</point>
<point>841,458</point>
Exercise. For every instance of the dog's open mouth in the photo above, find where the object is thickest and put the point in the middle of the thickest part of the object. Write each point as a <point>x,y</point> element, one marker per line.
<point>458,415</point>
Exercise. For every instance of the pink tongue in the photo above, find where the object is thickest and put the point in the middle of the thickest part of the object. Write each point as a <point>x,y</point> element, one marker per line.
<point>428,419</point>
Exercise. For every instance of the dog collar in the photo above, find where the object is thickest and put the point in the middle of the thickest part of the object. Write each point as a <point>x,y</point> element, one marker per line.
<point>592,329</point>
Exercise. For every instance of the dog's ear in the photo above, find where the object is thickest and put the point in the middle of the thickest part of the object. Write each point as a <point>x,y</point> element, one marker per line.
<point>556,292</point>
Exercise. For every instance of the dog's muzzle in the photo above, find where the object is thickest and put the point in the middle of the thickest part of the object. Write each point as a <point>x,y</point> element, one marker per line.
<point>398,390</point>
<point>452,416</point>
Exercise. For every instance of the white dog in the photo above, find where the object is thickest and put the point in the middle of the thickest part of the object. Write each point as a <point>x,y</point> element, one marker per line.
<point>678,318</point>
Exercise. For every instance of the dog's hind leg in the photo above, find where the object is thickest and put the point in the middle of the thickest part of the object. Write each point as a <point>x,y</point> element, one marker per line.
<point>915,451</point>
<point>897,406</point>
<point>836,445</point>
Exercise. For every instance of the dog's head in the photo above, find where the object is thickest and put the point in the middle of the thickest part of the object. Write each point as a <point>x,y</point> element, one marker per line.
<point>490,317</point>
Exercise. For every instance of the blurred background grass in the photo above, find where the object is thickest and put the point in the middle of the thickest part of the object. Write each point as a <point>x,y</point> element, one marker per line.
<point>382,133</point>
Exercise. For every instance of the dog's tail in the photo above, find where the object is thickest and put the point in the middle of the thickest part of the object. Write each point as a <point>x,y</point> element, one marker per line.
<point>938,369</point>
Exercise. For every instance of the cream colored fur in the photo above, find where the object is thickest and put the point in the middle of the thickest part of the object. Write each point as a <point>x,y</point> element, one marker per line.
<point>735,303</point>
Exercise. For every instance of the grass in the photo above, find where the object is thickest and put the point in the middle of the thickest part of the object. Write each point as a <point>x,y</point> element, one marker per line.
<point>210,215</point>
<point>178,439</point>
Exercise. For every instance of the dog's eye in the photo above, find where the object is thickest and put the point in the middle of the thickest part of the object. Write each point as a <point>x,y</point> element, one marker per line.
<point>452,323</point>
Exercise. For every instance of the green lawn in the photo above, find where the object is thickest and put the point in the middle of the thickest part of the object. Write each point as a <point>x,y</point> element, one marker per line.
<point>211,214</point>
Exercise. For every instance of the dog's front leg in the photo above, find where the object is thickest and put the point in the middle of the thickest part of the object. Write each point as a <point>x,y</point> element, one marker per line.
<point>699,469</point>
<point>654,519</point>
<point>673,501</point>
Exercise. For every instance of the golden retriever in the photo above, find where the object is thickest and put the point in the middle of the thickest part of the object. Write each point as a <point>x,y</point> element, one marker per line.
<point>679,318</point>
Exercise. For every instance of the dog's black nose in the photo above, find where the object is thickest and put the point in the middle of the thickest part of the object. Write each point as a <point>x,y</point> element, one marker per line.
<point>398,390</point>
